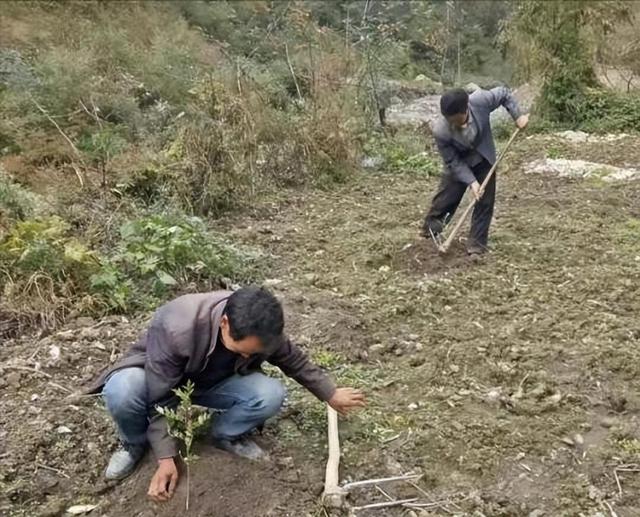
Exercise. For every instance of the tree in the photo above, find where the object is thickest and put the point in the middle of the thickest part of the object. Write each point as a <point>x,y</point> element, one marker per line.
<point>557,40</point>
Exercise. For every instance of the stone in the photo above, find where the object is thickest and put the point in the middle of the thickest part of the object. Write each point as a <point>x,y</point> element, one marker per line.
<point>13,379</point>
<point>608,422</point>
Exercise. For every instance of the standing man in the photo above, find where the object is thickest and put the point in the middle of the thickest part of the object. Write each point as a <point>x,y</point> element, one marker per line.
<point>218,341</point>
<point>464,140</point>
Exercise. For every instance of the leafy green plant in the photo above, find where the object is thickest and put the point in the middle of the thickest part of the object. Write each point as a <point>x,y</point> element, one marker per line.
<point>16,203</point>
<point>101,146</point>
<point>402,156</point>
<point>184,423</point>
<point>158,254</point>
<point>44,269</point>
<point>554,152</point>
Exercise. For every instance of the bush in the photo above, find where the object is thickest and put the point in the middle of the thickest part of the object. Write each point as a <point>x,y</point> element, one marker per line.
<point>159,255</point>
<point>607,111</point>
<point>46,271</point>
<point>404,154</point>
<point>16,203</point>
<point>43,269</point>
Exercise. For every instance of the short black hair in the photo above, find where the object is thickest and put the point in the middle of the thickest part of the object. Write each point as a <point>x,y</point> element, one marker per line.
<point>454,102</point>
<point>254,311</point>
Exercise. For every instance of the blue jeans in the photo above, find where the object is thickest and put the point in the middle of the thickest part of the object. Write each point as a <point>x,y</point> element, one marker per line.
<point>246,400</point>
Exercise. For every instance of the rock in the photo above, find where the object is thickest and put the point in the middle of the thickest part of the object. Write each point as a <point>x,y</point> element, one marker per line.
<point>471,87</point>
<point>554,399</point>
<point>89,333</point>
<point>493,396</point>
<point>454,368</point>
<point>63,429</point>
<point>537,513</point>
<point>582,169</point>
<point>53,507</point>
<point>378,347</point>
<point>54,352</point>
<point>372,162</point>
<point>567,441</point>
<point>417,361</point>
<point>84,321</point>
<point>608,422</point>
<point>13,379</point>
<point>578,439</point>
<point>412,407</point>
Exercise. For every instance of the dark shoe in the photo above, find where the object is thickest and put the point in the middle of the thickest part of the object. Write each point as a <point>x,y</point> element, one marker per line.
<point>476,250</point>
<point>243,447</point>
<point>123,462</point>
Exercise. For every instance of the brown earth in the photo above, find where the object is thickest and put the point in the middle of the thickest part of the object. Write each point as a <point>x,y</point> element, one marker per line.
<point>510,384</point>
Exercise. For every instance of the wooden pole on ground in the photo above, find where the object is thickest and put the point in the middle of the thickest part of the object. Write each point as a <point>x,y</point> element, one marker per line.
<point>333,496</point>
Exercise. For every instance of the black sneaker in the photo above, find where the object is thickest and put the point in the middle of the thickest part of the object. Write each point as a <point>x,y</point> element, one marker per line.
<point>243,447</point>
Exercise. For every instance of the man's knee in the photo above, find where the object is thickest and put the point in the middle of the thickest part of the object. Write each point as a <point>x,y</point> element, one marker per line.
<point>268,394</point>
<point>125,392</point>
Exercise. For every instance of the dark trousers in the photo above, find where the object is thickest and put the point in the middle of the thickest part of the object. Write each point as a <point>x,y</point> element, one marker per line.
<point>448,197</point>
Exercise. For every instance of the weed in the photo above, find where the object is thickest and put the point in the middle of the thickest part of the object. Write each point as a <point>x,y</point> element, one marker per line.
<point>554,152</point>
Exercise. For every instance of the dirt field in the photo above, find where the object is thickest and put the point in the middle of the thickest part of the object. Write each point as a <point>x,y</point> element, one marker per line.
<point>510,384</point>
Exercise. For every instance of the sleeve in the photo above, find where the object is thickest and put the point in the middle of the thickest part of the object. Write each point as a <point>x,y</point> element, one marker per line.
<point>453,162</point>
<point>164,369</point>
<point>295,364</point>
<point>502,96</point>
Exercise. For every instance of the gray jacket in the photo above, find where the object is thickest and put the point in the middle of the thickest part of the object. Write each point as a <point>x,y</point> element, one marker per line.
<point>454,151</point>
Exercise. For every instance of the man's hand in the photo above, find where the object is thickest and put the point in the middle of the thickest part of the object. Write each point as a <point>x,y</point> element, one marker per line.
<point>477,190</point>
<point>164,481</point>
<point>345,400</point>
<point>522,121</point>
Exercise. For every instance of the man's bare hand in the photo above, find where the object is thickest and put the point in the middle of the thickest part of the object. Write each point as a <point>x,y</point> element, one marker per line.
<point>164,481</point>
<point>345,400</point>
<point>477,190</point>
<point>522,121</point>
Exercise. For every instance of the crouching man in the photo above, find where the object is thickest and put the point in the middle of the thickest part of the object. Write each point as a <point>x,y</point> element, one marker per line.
<point>217,340</point>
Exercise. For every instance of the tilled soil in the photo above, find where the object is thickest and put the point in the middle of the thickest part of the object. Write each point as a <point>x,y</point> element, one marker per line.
<point>510,383</point>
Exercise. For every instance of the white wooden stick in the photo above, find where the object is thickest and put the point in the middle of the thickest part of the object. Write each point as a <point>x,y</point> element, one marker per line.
<point>333,495</point>
<point>368,482</point>
<point>399,502</point>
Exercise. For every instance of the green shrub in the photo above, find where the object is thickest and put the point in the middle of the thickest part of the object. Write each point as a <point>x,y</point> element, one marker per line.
<point>16,203</point>
<point>45,270</point>
<point>606,111</point>
<point>403,154</point>
<point>161,254</point>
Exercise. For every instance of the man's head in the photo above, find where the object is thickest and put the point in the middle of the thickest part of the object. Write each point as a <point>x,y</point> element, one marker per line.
<point>454,105</point>
<point>252,322</point>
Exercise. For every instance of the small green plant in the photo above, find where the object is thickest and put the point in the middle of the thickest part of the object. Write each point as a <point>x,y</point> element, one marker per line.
<point>184,423</point>
<point>553,152</point>
<point>101,146</point>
